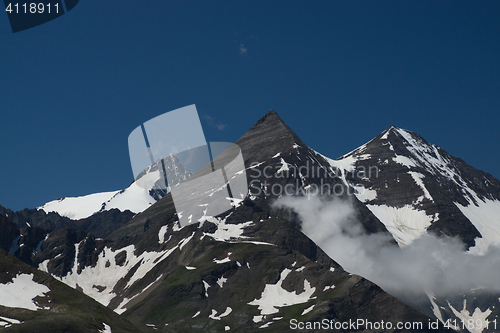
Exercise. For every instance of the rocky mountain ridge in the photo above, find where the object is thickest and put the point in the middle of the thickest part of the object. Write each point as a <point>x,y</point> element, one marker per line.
<point>219,272</point>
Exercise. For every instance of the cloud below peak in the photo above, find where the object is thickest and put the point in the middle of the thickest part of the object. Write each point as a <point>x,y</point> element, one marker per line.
<point>429,264</point>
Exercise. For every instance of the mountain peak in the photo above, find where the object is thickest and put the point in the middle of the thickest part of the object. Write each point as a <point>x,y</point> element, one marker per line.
<point>270,116</point>
<point>269,135</point>
<point>415,175</point>
<point>395,137</point>
<point>392,130</point>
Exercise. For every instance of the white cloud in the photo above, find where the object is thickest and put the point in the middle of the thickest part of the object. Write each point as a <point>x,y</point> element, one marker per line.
<point>428,264</point>
<point>221,126</point>
<point>212,123</point>
<point>243,50</point>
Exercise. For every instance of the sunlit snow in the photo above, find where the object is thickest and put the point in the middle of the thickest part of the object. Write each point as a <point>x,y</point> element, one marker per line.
<point>206,285</point>
<point>20,292</point>
<point>403,160</point>
<point>309,309</point>
<point>134,198</point>
<point>478,317</point>
<point>406,223</point>
<point>107,273</point>
<point>274,296</point>
<point>418,178</point>
<point>224,314</point>
<point>365,194</point>
<point>284,166</point>
<point>227,232</point>
<point>7,322</point>
<point>221,261</point>
<point>161,234</point>
<point>107,329</point>
<point>486,218</point>
<point>221,281</point>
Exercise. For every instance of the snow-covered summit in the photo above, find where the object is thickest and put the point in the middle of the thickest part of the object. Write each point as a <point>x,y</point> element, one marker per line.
<point>149,187</point>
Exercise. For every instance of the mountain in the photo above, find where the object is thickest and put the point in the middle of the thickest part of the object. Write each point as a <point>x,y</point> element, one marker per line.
<point>102,213</point>
<point>33,301</point>
<point>142,193</point>
<point>421,193</point>
<point>248,269</point>
<point>414,224</point>
<point>437,192</point>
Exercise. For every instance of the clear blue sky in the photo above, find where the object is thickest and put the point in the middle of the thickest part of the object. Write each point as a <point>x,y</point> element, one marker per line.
<point>337,72</point>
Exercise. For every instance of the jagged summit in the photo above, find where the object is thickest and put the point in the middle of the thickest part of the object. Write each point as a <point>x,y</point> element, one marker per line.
<point>420,179</point>
<point>399,134</point>
<point>392,140</point>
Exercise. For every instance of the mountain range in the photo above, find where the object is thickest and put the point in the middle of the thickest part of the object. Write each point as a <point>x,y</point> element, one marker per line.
<point>396,231</point>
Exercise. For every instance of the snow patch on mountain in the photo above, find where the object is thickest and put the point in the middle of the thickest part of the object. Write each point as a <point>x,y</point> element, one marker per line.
<point>224,314</point>
<point>107,329</point>
<point>309,309</point>
<point>226,231</point>
<point>222,261</point>
<point>221,281</point>
<point>275,296</point>
<point>7,322</point>
<point>21,291</point>
<point>186,240</point>
<point>429,157</point>
<point>78,207</point>
<point>134,198</point>
<point>403,160</point>
<point>161,233</point>
<point>485,216</point>
<point>106,273</point>
<point>206,286</point>
<point>418,178</point>
<point>345,164</point>
<point>365,194</point>
<point>405,223</point>
<point>435,308</point>
<point>478,318</point>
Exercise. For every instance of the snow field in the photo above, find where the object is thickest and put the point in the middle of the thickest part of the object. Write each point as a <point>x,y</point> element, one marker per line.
<point>20,292</point>
<point>486,218</point>
<point>275,296</point>
<point>405,224</point>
